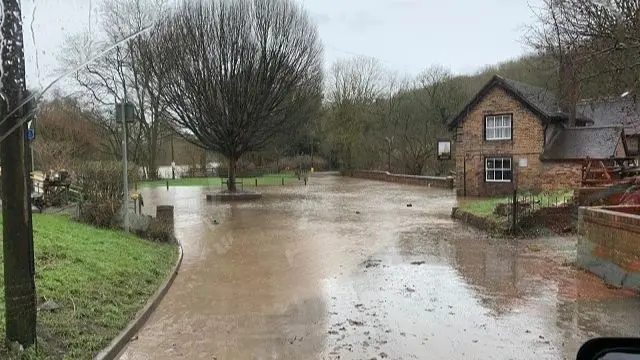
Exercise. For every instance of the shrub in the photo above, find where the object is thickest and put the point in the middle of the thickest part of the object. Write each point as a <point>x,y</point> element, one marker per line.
<point>100,184</point>
<point>159,231</point>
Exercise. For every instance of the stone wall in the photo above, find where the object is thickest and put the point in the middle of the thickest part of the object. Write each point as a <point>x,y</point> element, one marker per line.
<point>609,244</point>
<point>435,181</point>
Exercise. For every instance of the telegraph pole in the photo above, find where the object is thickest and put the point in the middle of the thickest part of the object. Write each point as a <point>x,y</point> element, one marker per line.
<point>19,283</point>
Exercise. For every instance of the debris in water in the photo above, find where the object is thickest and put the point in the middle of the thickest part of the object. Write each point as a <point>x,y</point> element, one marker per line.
<point>408,289</point>
<point>384,355</point>
<point>355,322</point>
<point>369,263</point>
<point>333,332</point>
<point>409,205</point>
<point>418,262</point>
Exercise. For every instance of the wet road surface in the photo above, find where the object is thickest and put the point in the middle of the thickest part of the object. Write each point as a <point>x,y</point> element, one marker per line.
<point>344,269</point>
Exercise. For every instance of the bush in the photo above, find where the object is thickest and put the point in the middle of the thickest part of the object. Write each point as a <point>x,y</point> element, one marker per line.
<point>100,184</point>
<point>159,231</point>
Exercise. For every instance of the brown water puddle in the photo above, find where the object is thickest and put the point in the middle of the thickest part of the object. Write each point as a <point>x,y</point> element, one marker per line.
<point>344,269</point>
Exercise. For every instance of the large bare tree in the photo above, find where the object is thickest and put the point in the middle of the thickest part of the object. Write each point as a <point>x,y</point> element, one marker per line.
<point>237,73</point>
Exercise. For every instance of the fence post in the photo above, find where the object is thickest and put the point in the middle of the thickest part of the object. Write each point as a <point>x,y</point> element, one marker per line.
<point>256,182</point>
<point>282,181</point>
<point>167,185</point>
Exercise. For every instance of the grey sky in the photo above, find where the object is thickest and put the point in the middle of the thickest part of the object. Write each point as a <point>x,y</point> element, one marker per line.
<point>406,35</point>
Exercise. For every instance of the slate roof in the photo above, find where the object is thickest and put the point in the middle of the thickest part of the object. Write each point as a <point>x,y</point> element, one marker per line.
<point>540,101</point>
<point>618,111</point>
<point>596,142</point>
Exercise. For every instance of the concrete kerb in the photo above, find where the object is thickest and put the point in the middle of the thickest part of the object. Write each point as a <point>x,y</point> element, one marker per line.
<point>120,342</point>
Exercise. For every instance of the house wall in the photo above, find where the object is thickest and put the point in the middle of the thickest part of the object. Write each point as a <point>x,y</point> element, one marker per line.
<point>556,175</point>
<point>527,143</point>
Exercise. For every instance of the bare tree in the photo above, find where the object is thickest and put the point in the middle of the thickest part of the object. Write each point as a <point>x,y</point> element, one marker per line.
<point>354,86</point>
<point>595,44</point>
<point>103,81</point>
<point>237,73</point>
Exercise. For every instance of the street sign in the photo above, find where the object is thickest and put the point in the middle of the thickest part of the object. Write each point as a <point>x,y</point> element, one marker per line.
<point>30,134</point>
<point>129,112</point>
<point>444,149</point>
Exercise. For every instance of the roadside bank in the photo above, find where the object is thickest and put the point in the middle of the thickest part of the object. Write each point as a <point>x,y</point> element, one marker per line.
<point>91,283</point>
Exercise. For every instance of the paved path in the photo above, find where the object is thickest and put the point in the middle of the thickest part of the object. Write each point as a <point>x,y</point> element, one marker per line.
<point>344,269</point>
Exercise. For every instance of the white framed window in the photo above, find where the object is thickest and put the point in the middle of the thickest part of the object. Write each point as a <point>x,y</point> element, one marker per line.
<point>498,170</point>
<point>497,127</point>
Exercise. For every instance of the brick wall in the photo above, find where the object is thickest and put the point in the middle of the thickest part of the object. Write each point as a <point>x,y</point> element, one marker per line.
<point>609,244</point>
<point>560,175</point>
<point>526,146</point>
<point>441,182</point>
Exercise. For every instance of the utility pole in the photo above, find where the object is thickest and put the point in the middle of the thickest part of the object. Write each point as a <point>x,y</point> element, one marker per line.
<point>19,283</point>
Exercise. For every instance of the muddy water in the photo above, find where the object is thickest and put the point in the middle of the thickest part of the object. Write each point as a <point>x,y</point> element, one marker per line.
<point>344,269</point>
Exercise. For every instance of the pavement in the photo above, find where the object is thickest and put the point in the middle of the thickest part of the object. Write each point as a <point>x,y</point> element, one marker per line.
<point>354,269</point>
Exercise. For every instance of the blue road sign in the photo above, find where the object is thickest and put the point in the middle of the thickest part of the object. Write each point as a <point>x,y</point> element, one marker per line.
<point>30,134</point>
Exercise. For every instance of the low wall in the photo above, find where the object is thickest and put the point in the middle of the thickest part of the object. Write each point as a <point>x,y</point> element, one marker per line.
<point>479,222</point>
<point>609,244</point>
<point>436,181</point>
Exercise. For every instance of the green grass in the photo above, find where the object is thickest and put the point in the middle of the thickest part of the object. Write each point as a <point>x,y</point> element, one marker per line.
<point>100,278</point>
<point>485,207</point>
<point>266,180</point>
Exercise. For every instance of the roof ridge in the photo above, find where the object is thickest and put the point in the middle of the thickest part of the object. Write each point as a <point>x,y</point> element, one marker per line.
<point>595,127</point>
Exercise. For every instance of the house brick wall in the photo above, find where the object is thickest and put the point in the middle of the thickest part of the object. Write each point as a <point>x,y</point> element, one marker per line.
<point>609,244</point>
<point>557,175</point>
<point>527,143</point>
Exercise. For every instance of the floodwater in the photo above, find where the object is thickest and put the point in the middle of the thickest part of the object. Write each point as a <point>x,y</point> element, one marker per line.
<point>345,269</point>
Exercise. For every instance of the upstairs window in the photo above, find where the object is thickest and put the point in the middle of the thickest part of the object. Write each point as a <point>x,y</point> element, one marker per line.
<point>498,170</point>
<point>497,127</point>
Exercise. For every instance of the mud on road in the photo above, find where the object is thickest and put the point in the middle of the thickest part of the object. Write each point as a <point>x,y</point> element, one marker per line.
<point>353,269</point>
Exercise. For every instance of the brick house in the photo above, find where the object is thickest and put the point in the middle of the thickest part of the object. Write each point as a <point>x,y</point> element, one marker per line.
<point>514,135</point>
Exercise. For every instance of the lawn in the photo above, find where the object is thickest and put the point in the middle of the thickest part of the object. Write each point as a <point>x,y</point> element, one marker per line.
<point>485,207</point>
<point>265,180</point>
<point>99,278</point>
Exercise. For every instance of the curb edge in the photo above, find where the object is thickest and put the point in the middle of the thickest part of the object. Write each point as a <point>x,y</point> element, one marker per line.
<point>116,346</point>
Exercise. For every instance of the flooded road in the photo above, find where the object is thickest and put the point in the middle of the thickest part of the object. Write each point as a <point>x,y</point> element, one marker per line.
<point>345,269</point>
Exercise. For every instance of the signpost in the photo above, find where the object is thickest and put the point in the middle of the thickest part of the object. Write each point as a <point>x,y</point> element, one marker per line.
<point>125,114</point>
<point>444,149</point>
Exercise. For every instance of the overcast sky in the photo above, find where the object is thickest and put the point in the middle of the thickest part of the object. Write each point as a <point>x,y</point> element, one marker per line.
<point>406,35</point>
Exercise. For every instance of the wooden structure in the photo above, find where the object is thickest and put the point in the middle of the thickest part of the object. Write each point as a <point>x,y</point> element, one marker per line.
<point>602,173</point>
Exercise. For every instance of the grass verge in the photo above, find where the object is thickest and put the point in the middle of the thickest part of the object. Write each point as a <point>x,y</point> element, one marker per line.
<point>486,207</point>
<point>99,278</point>
<point>249,182</point>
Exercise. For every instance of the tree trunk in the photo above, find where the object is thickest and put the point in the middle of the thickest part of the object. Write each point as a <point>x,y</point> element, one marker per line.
<point>231,180</point>
<point>153,153</point>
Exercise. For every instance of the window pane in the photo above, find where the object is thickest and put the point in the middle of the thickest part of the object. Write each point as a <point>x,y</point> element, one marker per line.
<point>501,133</point>
<point>490,164</point>
<point>498,163</point>
<point>508,132</point>
<point>498,175</point>
<point>507,175</point>
<point>491,133</point>
<point>506,163</point>
<point>491,175</point>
